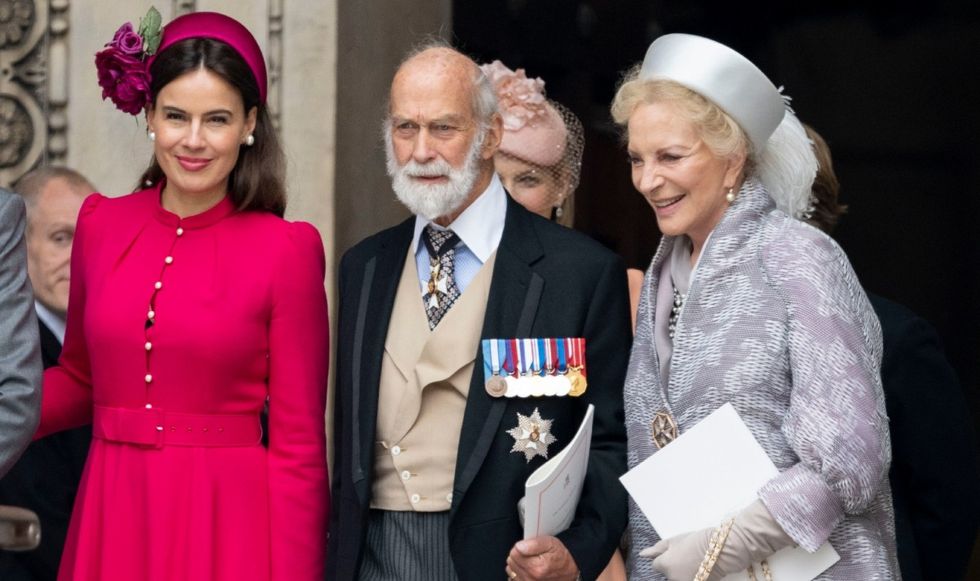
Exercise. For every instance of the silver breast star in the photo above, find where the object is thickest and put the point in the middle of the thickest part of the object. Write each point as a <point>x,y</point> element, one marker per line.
<point>532,436</point>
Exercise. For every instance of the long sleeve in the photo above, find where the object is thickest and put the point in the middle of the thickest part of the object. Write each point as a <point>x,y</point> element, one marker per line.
<point>20,351</point>
<point>67,401</point>
<point>298,348</point>
<point>836,422</point>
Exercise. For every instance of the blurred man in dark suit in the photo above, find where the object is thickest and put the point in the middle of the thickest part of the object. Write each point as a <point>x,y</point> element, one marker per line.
<point>46,477</point>
<point>934,477</point>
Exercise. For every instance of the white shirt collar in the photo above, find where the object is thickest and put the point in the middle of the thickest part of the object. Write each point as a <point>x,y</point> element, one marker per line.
<point>480,226</point>
<point>55,323</point>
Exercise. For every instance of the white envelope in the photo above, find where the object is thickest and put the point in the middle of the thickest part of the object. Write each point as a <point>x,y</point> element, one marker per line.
<point>708,474</point>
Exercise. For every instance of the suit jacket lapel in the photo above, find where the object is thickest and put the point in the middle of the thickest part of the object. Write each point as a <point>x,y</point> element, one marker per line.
<point>515,291</point>
<point>375,302</point>
<point>50,346</point>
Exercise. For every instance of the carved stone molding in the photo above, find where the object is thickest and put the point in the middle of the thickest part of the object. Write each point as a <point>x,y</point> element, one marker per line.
<point>275,61</point>
<point>58,81</point>
<point>23,86</point>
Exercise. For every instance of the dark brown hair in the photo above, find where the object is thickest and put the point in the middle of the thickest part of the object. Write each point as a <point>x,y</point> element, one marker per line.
<point>826,188</point>
<point>257,182</point>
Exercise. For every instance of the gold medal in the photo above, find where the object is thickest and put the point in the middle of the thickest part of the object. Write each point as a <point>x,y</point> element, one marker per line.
<point>663,429</point>
<point>576,366</point>
<point>496,386</point>
<point>578,381</point>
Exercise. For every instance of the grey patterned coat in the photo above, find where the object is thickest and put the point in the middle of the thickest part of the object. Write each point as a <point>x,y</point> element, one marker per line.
<point>776,323</point>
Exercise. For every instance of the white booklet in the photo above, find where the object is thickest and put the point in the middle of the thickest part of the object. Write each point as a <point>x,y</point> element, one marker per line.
<point>552,491</point>
<point>708,474</point>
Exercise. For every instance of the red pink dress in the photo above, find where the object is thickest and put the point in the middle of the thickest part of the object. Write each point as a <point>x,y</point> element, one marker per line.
<point>180,331</point>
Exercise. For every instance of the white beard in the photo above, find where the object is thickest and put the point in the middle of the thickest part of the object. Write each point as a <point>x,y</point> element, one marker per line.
<point>431,201</point>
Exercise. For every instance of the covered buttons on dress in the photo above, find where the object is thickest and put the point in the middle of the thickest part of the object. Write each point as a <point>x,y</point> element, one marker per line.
<point>151,317</point>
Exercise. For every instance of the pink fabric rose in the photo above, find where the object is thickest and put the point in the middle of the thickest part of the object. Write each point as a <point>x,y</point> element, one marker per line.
<point>127,41</point>
<point>521,99</point>
<point>123,79</point>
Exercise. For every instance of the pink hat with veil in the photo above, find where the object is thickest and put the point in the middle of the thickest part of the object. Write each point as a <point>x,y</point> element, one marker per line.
<point>533,127</point>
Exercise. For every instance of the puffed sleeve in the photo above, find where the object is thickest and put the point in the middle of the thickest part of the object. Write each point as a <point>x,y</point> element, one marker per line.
<point>67,395</point>
<point>836,422</point>
<point>299,496</point>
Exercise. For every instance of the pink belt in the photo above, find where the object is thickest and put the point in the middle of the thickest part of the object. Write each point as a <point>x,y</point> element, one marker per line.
<point>158,428</point>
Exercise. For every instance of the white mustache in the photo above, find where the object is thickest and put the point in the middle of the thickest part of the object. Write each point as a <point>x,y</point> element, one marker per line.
<point>427,170</point>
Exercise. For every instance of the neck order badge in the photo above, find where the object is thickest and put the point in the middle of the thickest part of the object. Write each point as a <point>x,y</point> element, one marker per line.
<point>441,292</point>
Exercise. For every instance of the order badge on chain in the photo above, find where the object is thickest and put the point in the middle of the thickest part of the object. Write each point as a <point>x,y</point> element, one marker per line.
<point>534,367</point>
<point>663,429</point>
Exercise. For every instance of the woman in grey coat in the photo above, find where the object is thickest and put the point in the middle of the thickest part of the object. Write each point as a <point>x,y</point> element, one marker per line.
<point>745,303</point>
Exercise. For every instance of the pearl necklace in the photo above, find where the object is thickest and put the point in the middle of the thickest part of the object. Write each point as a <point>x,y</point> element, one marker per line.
<point>675,312</point>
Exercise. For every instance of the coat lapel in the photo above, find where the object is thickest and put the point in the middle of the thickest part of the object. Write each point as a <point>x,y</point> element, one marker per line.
<point>515,292</point>
<point>50,346</point>
<point>376,299</point>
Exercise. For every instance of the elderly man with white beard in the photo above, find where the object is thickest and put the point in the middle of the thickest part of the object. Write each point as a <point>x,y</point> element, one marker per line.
<point>431,460</point>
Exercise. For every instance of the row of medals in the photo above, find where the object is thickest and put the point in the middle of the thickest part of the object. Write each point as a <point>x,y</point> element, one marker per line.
<point>552,383</point>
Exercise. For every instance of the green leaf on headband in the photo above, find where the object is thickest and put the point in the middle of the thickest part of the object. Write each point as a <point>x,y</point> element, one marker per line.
<point>149,30</point>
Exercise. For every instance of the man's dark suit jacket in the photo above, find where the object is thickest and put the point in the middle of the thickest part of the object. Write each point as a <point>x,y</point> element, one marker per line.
<point>548,281</point>
<point>935,485</point>
<point>45,480</point>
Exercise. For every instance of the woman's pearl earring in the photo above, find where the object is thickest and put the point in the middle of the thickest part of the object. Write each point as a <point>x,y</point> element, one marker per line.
<point>152,135</point>
<point>250,140</point>
<point>730,196</point>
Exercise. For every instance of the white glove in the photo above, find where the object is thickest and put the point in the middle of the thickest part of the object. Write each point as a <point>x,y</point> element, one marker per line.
<point>754,536</point>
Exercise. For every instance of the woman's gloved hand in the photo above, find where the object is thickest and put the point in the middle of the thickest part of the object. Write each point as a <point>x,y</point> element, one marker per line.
<point>754,535</point>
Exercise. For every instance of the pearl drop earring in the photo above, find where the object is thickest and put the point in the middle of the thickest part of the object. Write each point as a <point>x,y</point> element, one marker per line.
<point>730,196</point>
<point>152,135</point>
<point>250,140</point>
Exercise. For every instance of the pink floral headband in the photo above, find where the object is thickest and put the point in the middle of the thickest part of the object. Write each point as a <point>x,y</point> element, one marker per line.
<point>121,65</point>
<point>124,65</point>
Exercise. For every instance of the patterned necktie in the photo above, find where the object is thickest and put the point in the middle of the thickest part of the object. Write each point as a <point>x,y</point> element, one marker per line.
<point>442,291</point>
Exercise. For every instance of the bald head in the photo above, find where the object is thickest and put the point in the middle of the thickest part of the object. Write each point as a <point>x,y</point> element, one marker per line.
<point>441,133</point>
<point>33,184</point>
<point>454,70</point>
<point>54,197</point>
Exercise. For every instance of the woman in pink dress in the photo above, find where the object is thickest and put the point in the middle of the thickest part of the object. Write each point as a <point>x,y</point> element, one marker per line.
<point>193,306</point>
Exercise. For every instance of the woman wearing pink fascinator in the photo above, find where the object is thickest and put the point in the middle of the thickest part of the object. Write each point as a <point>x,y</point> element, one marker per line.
<point>194,307</point>
<point>540,156</point>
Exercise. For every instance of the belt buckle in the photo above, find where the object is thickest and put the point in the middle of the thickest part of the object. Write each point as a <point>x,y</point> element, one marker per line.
<point>158,427</point>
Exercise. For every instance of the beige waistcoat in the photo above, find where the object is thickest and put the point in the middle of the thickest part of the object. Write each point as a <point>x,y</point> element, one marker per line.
<point>425,378</point>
